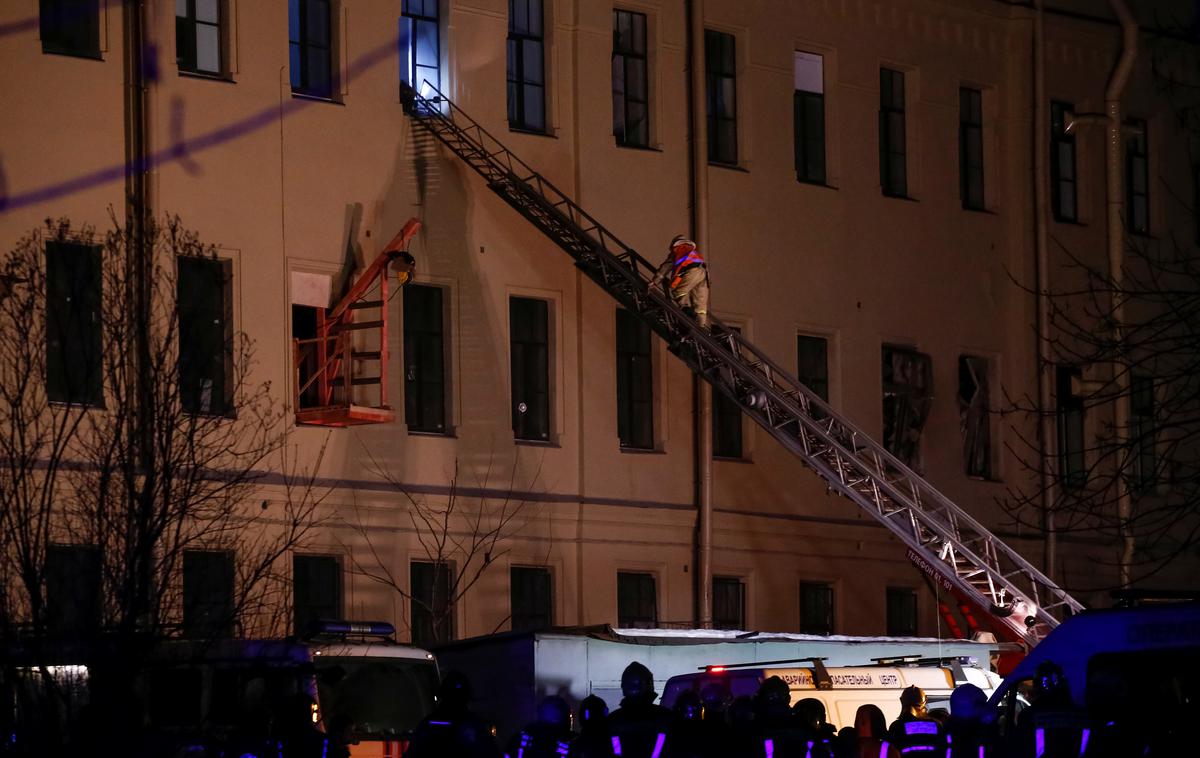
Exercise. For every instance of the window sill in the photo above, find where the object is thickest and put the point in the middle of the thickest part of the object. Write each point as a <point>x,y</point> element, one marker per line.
<point>88,56</point>
<point>447,434</point>
<point>906,198</point>
<point>818,185</point>
<point>1068,221</point>
<point>728,167</point>
<point>536,443</point>
<point>731,459</point>
<point>983,211</point>
<point>531,132</point>
<point>316,98</point>
<point>641,451</point>
<point>186,74</point>
<point>639,148</point>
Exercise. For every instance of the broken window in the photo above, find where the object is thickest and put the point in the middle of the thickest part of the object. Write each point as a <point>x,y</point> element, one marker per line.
<point>973,403</point>
<point>907,395</point>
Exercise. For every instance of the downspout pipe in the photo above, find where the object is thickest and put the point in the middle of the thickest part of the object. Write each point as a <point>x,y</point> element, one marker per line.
<point>1047,428</point>
<point>1114,173</point>
<point>698,219</point>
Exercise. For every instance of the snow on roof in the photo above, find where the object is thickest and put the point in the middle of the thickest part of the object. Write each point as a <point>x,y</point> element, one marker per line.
<point>730,635</point>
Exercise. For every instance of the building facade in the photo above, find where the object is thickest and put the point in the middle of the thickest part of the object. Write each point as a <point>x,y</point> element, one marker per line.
<point>870,223</point>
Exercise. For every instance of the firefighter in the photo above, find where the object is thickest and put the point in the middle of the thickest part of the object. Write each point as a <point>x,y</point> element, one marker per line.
<point>967,734</point>
<point>548,737</point>
<point>594,741</point>
<point>687,276</point>
<point>452,729</point>
<point>870,727</point>
<point>639,728</point>
<point>914,730</point>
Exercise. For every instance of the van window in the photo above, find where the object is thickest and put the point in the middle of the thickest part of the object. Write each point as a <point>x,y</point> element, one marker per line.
<point>1145,687</point>
<point>385,697</point>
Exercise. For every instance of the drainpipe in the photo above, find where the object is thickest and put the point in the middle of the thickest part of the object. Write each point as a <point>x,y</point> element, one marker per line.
<point>1116,262</point>
<point>702,392</point>
<point>1047,430</point>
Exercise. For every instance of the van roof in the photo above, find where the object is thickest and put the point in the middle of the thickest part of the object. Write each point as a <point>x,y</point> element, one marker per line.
<point>848,677</point>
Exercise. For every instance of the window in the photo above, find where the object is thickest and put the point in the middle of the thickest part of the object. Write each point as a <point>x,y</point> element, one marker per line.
<point>635,383</point>
<point>70,27</point>
<point>1062,164</point>
<point>901,612</point>
<point>432,606</point>
<point>720,78</point>
<point>1072,467</point>
<point>631,116</point>
<point>816,608</point>
<point>1137,179</point>
<point>526,66</point>
<point>532,598</point>
<point>73,589</point>
<point>1143,434</point>
<point>729,603</point>
<point>1196,203</point>
<point>205,335</point>
<point>424,360</point>
<point>316,590</point>
<point>420,43</point>
<point>970,147</point>
<point>812,364</point>
<point>207,594</point>
<point>530,346</point>
<point>907,395</point>
<point>310,38</point>
<point>893,159</point>
<point>637,601</point>
<point>73,322</point>
<point>727,423</point>
<point>973,408</point>
<point>199,38</point>
<point>808,106</point>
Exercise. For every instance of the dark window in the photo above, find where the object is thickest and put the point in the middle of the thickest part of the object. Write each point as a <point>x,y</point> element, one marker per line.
<point>73,323</point>
<point>199,37</point>
<point>893,152</point>
<point>635,383</point>
<point>907,396</point>
<point>637,601</point>
<point>532,598</point>
<point>207,594</point>
<point>73,589</point>
<point>205,335</point>
<point>1062,164</point>
<point>1196,203</point>
<point>530,335</point>
<point>720,75</point>
<point>526,66</point>
<point>973,408</point>
<point>420,43</point>
<point>808,123</point>
<point>70,27</point>
<point>970,147</point>
<point>1072,464</point>
<point>1137,179</point>
<point>432,606</point>
<point>901,612</point>
<point>728,603</point>
<point>631,115</point>
<point>424,359</point>
<point>816,608</point>
<point>310,36</point>
<point>812,364</point>
<point>1143,434</point>
<point>727,424</point>
<point>316,590</point>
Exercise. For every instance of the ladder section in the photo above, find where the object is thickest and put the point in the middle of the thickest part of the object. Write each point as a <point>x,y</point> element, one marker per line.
<point>942,539</point>
<point>340,376</point>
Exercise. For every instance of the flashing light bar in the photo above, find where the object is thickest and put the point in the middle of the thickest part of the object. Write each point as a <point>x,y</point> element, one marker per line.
<point>715,669</point>
<point>372,628</point>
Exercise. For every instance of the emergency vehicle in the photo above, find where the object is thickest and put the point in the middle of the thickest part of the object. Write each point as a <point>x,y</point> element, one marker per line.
<point>842,689</point>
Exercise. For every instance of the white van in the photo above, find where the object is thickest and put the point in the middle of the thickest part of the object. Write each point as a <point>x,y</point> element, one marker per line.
<point>842,689</point>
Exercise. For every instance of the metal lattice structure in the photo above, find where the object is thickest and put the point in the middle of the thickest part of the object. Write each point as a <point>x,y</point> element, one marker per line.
<point>943,540</point>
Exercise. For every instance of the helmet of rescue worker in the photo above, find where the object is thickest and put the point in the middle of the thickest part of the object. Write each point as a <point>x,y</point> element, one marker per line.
<point>810,711</point>
<point>637,682</point>
<point>688,706</point>
<point>967,703</point>
<point>774,696</point>
<point>1050,677</point>
<point>592,710</point>
<point>554,710</point>
<point>912,697</point>
<point>682,241</point>
<point>455,691</point>
<point>715,697</point>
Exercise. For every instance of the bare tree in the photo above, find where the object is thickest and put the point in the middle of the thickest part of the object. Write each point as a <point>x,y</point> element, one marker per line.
<point>132,441</point>
<point>461,535</point>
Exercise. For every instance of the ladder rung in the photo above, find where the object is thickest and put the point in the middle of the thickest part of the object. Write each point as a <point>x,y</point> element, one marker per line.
<point>361,304</point>
<point>354,326</point>
<point>367,355</point>
<point>358,381</point>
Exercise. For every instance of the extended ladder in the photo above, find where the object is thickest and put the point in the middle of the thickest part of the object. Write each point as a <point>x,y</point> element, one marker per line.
<point>943,540</point>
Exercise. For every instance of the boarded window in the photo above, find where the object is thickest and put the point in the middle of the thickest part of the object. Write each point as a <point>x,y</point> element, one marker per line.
<point>893,150</point>
<point>808,118</point>
<point>635,383</point>
<point>205,335</point>
<point>208,606</point>
<point>424,359</point>
<point>729,603</point>
<point>637,600</point>
<point>530,353</point>
<point>973,414</point>
<point>816,608</point>
<point>907,396</point>
<point>532,598</point>
<point>73,589</point>
<point>316,590</point>
<point>73,323</point>
<point>432,607</point>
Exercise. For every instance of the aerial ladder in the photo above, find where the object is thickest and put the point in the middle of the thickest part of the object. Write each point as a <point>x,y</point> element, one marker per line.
<point>945,542</point>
